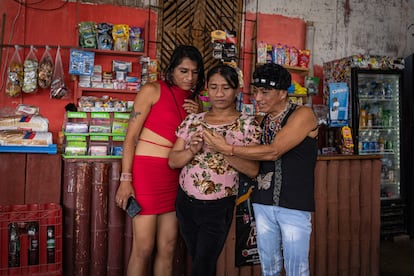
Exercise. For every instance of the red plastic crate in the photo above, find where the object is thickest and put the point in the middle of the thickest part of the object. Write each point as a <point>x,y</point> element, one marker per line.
<point>43,216</point>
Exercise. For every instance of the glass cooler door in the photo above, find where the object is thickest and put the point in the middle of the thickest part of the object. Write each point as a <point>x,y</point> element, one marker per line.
<point>378,96</point>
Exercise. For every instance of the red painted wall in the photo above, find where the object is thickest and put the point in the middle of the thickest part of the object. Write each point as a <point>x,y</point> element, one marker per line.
<point>274,29</point>
<point>57,26</point>
<point>271,29</point>
<point>54,23</point>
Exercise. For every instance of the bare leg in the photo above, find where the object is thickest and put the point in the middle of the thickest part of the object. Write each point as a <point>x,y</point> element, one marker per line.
<point>167,231</point>
<point>144,231</point>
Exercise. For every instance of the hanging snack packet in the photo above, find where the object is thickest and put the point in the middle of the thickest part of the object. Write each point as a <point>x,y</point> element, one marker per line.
<point>58,89</point>
<point>45,69</point>
<point>87,34</point>
<point>120,34</point>
<point>30,67</point>
<point>15,75</point>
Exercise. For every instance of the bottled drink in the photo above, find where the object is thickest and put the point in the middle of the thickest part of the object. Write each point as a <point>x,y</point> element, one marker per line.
<point>378,117</point>
<point>50,244</point>
<point>381,144</point>
<point>363,118</point>
<point>33,234</point>
<point>369,120</point>
<point>14,246</point>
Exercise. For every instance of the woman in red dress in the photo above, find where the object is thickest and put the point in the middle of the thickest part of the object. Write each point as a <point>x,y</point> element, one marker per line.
<point>159,108</point>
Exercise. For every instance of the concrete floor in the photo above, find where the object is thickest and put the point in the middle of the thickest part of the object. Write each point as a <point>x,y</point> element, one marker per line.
<point>397,257</point>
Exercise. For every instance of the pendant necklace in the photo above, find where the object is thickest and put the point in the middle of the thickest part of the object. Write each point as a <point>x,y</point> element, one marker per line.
<point>272,125</point>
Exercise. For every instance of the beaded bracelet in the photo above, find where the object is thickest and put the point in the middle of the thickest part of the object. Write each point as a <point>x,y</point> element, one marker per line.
<point>126,177</point>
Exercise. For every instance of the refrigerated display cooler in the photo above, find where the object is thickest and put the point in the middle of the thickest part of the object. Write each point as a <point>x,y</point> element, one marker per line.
<point>408,139</point>
<point>377,117</point>
<point>376,120</point>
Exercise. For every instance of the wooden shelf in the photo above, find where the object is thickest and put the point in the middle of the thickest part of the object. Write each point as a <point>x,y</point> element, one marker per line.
<point>107,90</point>
<point>298,95</point>
<point>295,69</point>
<point>114,53</point>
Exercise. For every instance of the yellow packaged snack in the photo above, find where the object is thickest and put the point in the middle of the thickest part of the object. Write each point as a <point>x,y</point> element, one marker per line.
<point>120,34</point>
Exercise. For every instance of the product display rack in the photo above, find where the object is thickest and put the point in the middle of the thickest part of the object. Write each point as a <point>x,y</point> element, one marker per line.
<point>94,135</point>
<point>122,93</point>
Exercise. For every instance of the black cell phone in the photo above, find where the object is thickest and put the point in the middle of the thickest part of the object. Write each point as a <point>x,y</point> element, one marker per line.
<point>132,207</point>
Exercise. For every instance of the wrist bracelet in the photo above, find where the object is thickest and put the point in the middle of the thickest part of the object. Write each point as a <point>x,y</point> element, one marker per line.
<point>232,150</point>
<point>126,177</point>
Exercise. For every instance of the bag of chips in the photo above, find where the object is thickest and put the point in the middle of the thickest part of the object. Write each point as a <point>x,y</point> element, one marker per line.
<point>104,37</point>
<point>45,72</point>
<point>87,34</point>
<point>15,75</point>
<point>120,34</point>
<point>30,67</point>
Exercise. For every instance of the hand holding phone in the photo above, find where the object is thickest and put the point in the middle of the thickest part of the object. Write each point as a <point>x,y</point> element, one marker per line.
<point>132,207</point>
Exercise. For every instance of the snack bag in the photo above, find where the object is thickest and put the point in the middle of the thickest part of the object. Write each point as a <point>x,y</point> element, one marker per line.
<point>30,67</point>
<point>120,34</point>
<point>287,56</point>
<point>304,58</point>
<point>261,52</point>
<point>44,78</point>
<point>294,56</point>
<point>87,34</point>
<point>14,75</point>
<point>218,36</point>
<point>279,54</point>
<point>136,42</point>
<point>58,89</point>
<point>104,39</point>
<point>347,145</point>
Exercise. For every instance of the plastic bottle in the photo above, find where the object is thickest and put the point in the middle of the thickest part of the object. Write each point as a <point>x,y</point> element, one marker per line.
<point>381,143</point>
<point>50,244</point>
<point>14,246</point>
<point>369,120</point>
<point>33,234</point>
<point>378,118</point>
<point>363,118</point>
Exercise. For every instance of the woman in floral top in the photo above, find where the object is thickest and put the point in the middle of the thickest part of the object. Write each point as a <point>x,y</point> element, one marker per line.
<point>209,180</point>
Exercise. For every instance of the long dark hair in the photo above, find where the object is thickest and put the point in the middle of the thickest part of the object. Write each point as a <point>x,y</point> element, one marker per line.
<point>191,52</point>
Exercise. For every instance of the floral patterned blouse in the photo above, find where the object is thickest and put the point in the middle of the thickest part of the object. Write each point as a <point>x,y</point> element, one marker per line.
<point>209,176</point>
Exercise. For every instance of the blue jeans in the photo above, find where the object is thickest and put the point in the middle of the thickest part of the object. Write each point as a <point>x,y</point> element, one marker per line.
<point>283,237</point>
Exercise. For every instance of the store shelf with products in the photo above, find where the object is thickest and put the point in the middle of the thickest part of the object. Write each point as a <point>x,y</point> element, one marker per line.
<point>94,134</point>
<point>119,94</point>
<point>302,71</point>
<point>129,66</point>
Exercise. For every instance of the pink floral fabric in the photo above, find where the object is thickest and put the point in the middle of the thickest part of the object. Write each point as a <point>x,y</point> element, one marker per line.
<point>209,176</point>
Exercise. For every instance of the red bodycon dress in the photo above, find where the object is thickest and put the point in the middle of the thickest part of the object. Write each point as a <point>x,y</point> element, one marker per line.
<point>155,183</point>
